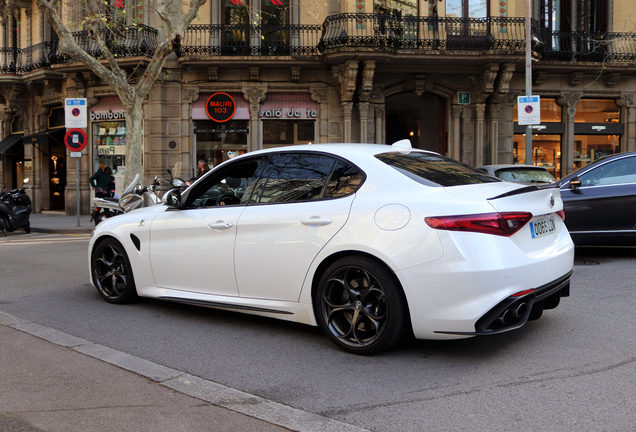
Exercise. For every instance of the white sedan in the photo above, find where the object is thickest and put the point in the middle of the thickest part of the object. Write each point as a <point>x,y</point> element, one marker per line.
<point>367,241</point>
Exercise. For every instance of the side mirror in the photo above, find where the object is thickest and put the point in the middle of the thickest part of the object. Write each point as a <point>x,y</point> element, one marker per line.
<point>169,171</point>
<point>575,183</point>
<point>172,198</point>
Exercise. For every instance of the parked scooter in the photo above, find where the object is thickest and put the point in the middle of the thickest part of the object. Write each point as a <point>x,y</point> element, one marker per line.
<point>177,182</point>
<point>133,197</point>
<point>15,209</point>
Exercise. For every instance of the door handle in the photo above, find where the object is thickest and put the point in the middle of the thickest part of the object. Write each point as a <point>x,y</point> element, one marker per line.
<point>316,221</point>
<point>220,225</point>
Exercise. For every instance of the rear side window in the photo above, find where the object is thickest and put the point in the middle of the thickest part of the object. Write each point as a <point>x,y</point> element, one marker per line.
<point>435,170</point>
<point>344,180</point>
<point>296,177</point>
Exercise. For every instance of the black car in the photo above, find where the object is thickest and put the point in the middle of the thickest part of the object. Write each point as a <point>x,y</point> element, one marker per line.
<point>600,201</point>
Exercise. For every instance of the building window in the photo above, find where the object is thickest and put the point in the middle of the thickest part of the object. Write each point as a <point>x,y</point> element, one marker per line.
<point>109,141</point>
<point>218,142</point>
<point>278,133</point>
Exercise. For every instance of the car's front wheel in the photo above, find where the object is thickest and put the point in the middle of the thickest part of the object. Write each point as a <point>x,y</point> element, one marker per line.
<point>360,305</point>
<point>112,273</point>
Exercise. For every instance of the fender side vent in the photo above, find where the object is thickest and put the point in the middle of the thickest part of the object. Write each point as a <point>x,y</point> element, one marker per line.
<point>136,241</point>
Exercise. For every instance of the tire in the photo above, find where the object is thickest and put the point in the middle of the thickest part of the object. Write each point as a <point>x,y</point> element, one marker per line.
<point>112,273</point>
<point>361,306</point>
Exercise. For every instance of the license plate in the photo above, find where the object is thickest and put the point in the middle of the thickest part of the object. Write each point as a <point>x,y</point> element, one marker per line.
<point>542,227</point>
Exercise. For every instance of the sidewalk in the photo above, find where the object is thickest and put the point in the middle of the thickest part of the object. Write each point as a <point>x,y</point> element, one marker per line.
<point>49,388</point>
<point>55,382</point>
<point>59,223</point>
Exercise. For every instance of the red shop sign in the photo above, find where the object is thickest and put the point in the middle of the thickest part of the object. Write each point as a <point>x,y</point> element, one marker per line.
<point>220,107</point>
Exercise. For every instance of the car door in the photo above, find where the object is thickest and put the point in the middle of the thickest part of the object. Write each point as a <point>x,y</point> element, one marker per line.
<point>606,199</point>
<point>294,210</point>
<point>192,248</point>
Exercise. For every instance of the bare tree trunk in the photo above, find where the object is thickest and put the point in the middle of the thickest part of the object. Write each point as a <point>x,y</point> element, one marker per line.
<point>134,139</point>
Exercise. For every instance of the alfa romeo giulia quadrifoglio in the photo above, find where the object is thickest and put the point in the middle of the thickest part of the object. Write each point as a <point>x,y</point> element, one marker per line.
<point>370,242</point>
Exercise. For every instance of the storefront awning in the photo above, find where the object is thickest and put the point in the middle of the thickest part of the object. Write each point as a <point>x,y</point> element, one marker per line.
<point>38,138</point>
<point>6,143</point>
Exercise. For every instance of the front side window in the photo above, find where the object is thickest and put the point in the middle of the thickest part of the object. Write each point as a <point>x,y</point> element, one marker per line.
<point>616,172</point>
<point>295,177</point>
<point>226,186</point>
<point>435,170</point>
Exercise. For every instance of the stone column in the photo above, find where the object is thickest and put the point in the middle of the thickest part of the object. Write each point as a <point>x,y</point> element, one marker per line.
<point>466,141</point>
<point>347,107</point>
<point>628,104</point>
<point>456,114</point>
<point>319,95</point>
<point>363,108</point>
<point>379,123</point>
<point>478,157</point>
<point>255,95</point>
<point>493,133</point>
<point>569,100</point>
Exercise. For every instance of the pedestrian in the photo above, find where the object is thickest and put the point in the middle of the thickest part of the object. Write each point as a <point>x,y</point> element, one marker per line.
<point>111,181</point>
<point>99,181</point>
<point>203,167</point>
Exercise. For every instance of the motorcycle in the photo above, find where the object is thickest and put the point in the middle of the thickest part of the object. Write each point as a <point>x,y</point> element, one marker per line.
<point>133,197</point>
<point>15,209</point>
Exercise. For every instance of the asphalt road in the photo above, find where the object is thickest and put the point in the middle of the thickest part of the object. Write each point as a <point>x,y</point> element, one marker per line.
<point>574,369</point>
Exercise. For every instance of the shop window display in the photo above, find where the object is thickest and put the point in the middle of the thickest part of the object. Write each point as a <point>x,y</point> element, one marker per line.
<point>218,142</point>
<point>109,140</point>
<point>288,132</point>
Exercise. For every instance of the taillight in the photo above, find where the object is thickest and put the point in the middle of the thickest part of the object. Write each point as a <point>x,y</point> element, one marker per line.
<point>501,224</point>
<point>561,214</point>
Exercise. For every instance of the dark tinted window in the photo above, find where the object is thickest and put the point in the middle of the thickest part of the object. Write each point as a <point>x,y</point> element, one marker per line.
<point>344,180</point>
<point>616,172</point>
<point>296,177</point>
<point>434,170</point>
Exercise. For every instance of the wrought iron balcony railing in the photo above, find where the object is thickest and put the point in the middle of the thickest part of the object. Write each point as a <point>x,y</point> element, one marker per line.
<point>250,40</point>
<point>588,47</point>
<point>129,42</point>
<point>417,32</point>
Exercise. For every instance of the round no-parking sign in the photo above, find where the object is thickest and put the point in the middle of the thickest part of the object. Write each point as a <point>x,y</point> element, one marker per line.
<point>75,140</point>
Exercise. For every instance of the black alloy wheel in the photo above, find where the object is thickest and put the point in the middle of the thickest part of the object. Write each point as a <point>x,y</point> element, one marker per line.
<point>361,305</point>
<point>112,273</point>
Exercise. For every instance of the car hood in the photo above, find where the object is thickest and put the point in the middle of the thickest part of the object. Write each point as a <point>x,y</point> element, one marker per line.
<point>143,215</point>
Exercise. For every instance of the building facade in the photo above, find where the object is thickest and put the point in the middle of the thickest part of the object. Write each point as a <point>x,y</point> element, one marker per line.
<point>444,74</point>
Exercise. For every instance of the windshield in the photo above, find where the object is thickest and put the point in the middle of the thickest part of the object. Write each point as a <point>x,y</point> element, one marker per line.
<point>525,175</point>
<point>435,170</point>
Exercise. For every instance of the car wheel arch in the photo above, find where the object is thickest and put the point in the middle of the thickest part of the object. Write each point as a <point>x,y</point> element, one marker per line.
<point>328,261</point>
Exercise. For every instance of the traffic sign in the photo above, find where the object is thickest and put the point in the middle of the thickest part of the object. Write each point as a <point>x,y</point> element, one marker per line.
<point>220,107</point>
<point>75,113</point>
<point>463,98</point>
<point>75,140</point>
<point>529,110</point>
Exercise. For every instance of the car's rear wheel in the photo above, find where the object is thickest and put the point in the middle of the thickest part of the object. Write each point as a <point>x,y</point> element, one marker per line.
<point>112,273</point>
<point>360,305</point>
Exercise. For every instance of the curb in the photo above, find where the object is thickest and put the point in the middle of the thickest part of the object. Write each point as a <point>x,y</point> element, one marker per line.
<point>62,231</point>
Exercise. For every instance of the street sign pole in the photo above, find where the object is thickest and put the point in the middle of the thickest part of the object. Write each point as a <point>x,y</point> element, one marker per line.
<point>528,80</point>
<point>77,189</point>
<point>75,140</point>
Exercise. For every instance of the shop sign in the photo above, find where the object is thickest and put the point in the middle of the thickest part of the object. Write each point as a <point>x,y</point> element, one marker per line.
<point>108,115</point>
<point>220,107</point>
<point>111,150</point>
<point>599,129</point>
<point>289,113</point>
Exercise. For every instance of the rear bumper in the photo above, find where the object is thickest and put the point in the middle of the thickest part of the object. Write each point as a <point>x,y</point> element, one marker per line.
<point>513,312</point>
